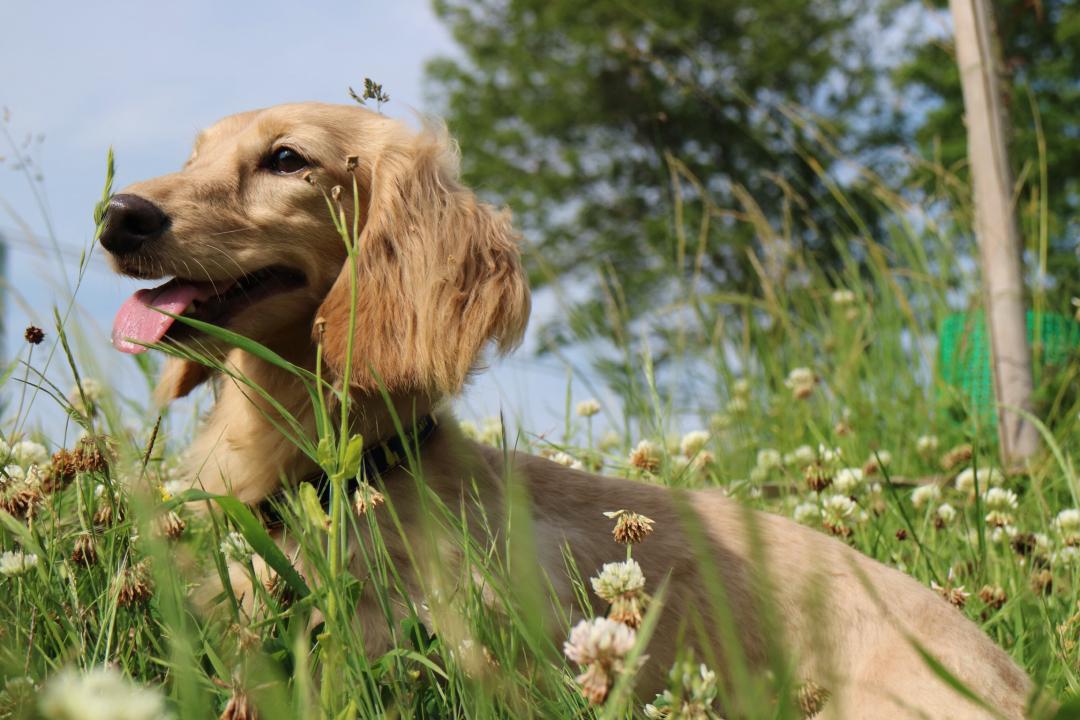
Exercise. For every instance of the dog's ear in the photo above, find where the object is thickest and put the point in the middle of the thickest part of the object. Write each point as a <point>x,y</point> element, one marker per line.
<point>437,275</point>
<point>178,378</point>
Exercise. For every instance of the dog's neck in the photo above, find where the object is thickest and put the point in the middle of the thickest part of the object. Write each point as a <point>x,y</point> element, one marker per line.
<point>249,448</point>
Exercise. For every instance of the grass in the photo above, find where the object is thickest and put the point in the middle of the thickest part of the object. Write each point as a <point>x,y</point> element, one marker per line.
<point>817,399</point>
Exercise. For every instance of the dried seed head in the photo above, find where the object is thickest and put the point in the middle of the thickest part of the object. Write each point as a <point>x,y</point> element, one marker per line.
<point>953,595</point>
<point>62,471</point>
<point>1042,582</point>
<point>135,585</point>
<point>34,335</point>
<point>171,525</point>
<point>811,698</point>
<point>646,456</point>
<point>89,457</point>
<point>957,456</point>
<point>335,193</point>
<point>818,477</point>
<point>20,499</point>
<point>993,595</point>
<point>239,707</point>
<point>366,498</point>
<point>630,527</point>
<point>105,515</point>
<point>351,162</point>
<point>85,551</point>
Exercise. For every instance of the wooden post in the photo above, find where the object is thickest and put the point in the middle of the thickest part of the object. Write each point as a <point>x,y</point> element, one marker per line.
<point>996,227</point>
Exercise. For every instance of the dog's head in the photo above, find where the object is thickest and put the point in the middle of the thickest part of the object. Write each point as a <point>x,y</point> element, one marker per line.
<point>245,233</point>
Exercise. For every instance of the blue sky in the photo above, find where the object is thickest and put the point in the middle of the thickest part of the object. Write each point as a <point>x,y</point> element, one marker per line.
<point>144,78</point>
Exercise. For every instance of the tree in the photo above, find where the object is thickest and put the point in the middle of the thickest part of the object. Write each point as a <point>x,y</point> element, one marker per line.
<point>1040,44</point>
<point>573,113</point>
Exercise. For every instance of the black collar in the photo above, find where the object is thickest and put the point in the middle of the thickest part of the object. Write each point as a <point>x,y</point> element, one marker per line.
<point>376,461</point>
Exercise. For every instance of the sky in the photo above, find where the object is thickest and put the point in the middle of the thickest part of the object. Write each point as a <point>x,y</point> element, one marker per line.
<point>143,78</point>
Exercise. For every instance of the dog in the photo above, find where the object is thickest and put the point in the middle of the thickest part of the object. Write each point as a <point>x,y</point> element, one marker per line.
<point>243,230</point>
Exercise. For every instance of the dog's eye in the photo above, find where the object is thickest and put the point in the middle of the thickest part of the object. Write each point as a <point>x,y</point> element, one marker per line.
<point>285,161</point>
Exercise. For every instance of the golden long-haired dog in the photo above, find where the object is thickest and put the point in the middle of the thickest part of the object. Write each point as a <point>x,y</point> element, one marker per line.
<point>244,232</point>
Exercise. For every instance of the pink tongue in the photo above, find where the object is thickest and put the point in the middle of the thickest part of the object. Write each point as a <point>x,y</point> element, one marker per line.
<point>138,323</point>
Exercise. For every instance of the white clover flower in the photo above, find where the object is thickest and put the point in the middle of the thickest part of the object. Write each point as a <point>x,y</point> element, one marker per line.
<point>16,562</point>
<point>758,474</point>
<point>92,389</point>
<point>618,578</point>
<point>13,473</point>
<point>28,452</point>
<point>492,432</point>
<point>599,640</point>
<point>806,513</point>
<point>801,382</point>
<point>881,458</point>
<point>1068,555</point>
<point>769,459</point>
<point>842,297</point>
<point>801,376</point>
<point>609,441</point>
<point>99,694</point>
<point>965,481</point>
<point>801,456</point>
<point>848,480</point>
<point>646,455</point>
<point>837,507</point>
<point>1000,499</point>
<point>568,460</point>
<point>468,429</point>
<point>1003,533</point>
<point>719,421</point>
<point>927,445</point>
<point>827,454</point>
<point>946,513</point>
<point>737,405</point>
<point>588,408</point>
<point>236,548</point>
<point>693,442</point>
<point>679,464</point>
<point>1068,521</point>
<point>925,494</point>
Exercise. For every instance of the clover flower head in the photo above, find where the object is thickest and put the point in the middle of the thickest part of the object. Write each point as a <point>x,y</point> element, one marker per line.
<point>925,494</point>
<point>588,408</point>
<point>848,480</point>
<point>1000,499</point>
<point>646,456</point>
<point>16,562</point>
<point>618,578</point>
<point>235,547</point>
<point>99,694</point>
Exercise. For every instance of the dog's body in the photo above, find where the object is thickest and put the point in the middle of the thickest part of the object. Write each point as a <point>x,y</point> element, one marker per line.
<point>438,276</point>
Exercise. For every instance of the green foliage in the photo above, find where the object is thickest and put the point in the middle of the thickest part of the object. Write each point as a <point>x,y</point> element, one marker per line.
<point>1039,48</point>
<point>572,112</point>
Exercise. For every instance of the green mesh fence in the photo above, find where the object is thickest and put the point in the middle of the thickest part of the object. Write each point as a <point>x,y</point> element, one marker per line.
<point>964,354</point>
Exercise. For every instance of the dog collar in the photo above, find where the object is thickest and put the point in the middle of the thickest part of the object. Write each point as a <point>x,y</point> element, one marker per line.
<point>375,462</point>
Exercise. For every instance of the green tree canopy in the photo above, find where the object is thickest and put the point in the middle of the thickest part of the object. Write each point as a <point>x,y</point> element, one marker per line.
<point>1039,44</point>
<point>570,112</point>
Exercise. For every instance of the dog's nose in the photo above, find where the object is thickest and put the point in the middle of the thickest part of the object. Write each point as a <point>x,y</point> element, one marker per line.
<point>129,222</point>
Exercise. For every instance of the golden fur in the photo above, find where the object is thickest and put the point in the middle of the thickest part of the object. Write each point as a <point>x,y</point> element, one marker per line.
<point>438,277</point>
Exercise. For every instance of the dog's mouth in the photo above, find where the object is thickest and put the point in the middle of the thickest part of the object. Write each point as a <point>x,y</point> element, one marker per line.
<point>139,322</point>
